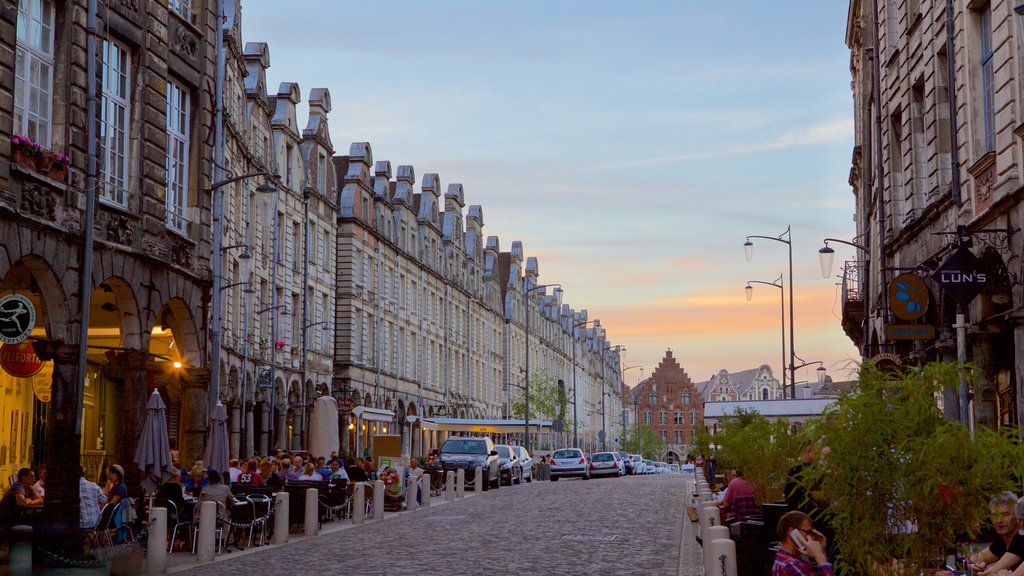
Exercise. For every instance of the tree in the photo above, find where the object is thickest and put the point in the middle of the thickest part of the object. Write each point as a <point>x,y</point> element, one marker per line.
<point>547,400</point>
<point>648,443</point>
<point>903,481</point>
<point>763,450</point>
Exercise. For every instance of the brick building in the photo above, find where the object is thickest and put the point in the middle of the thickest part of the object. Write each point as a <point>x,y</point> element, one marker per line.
<point>671,404</point>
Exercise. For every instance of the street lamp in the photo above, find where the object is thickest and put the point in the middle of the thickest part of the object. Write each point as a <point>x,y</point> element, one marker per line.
<point>575,424</point>
<point>820,370</point>
<point>782,306</point>
<point>787,239</point>
<point>826,255</point>
<point>526,311</point>
<point>216,303</point>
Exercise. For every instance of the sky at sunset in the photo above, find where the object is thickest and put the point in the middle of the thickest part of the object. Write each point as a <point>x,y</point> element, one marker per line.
<point>631,147</point>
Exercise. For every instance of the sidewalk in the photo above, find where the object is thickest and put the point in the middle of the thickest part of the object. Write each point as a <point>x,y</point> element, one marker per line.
<point>691,559</point>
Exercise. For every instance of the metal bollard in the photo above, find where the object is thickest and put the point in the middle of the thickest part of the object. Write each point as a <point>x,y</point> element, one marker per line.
<point>21,550</point>
<point>281,518</point>
<point>156,553</point>
<point>359,504</point>
<point>425,490</point>
<point>410,493</point>
<point>721,558</point>
<point>710,535</point>
<point>312,526</point>
<point>478,480</point>
<point>378,499</point>
<point>449,486</point>
<point>460,483</point>
<point>208,531</point>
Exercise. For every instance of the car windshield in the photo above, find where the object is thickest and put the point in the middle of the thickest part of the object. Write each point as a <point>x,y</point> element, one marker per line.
<point>464,447</point>
<point>503,451</point>
<point>567,454</point>
<point>603,457</point>
<point>637,459</point>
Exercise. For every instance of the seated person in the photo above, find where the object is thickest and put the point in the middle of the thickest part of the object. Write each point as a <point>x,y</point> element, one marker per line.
<point>1020,518</point>
<point>91,500</point>
<point>337,472</point>
<point>322,468</point>
<point>414,473</point>
<point>739,501</point>
<point>196,480</point>
<point>173,491</point>
<point>355,473</point>
<point>21,498</point>
<point>309,473</point>
<point>251,476</point>
<point>1007,550</point>
<point>215,491</point>
<point>790,560</point>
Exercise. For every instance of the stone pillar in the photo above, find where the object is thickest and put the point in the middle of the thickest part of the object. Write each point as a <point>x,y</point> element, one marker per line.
<point>280,429</point>
<point>127,370</point>
<point>264,428</point>
<point>297,435</point>
<point>63,438</point>
<point>985,357</point>
<point>249,446</point>
<point>195,408</point>
<point>235,436</point>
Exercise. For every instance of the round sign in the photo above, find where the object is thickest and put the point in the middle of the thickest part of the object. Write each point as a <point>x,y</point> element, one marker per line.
<point>17,318</point>
<point>20,360</point>
<point>908,296</point>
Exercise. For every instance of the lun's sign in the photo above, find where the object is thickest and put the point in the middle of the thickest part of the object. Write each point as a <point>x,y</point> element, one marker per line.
<point>962,276</point>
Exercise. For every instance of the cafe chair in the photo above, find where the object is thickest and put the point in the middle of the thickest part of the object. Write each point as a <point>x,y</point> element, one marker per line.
<point>218,533</point>
<point>174,520</point>
<point>260,506</point>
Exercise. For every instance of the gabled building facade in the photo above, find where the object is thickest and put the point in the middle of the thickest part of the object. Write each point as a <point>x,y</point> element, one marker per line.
<point>672,406</point>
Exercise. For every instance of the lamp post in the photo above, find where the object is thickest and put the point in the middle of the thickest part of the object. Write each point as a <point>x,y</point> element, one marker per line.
<point>782,306</point>
<point>216,302</point>
<point>273,306</point>
<point>575,424</point>
<point>820,370</point>
<point>271,426</point>
<point>623,377</point>
<point>526,311</point>
<point>248,290</point>
<point>787,239</point>
<point>826,255</point>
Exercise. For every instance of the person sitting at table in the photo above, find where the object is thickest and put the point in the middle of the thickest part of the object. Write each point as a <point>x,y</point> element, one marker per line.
<point>215,491</point>
<point>234,470</point>
<point>91,499</point>
<point>115,489</point>
<point>196,480</point>
<point>1020,518</point>
<point>322,468</point>
<point>355,473</point>
<point>251,476</point>
<point>413,473</point>
<point>739,501</point>
<point>790,560</point>
<point>309,473</point>
<point>296,470</point>
<point>284,470</point>
<point>268,469</point>
<point>337,472</point>
<point>1007,550</point>
<point>20,498</point>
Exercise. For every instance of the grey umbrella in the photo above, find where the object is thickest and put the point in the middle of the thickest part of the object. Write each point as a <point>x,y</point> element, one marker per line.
<point>153,454</point>
<point>216,455</point>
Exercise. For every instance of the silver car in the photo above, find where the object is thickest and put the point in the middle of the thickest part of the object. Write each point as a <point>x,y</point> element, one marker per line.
<point>526,461</point>
<point>569,462</point>
<point>605,464</point>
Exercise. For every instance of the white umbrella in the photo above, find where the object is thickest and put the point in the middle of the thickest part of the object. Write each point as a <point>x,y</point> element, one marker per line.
<point>216,455</point>
<point>153,454</point>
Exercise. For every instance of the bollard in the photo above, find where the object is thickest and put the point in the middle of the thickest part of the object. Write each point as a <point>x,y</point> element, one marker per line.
<point>478,480</point>
<point>425,490</point>
<point>21,550</point>
<point>208,531</point>
<point>707,496</point>
<point>281,518</point>
<point>710,535</point>
<point>460,483</point>
<point>709,516</point>
<point>156,553</point>
<point>312,526</point>
<point>721,559</point>
<point>378,499</point>
<point>449,486</point>
<point>359,504</point>
<point>410,493</point>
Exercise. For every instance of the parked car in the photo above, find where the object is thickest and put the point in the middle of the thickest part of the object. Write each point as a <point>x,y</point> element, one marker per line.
<point>467,453</point>
<point>638,463</point>
<point>649,467</point>
<point>526,462</point>
<point>569,462</point>
<point>605,464</point>
<point>509,466</point>
<point>627,462</point>
<point>674,468</point>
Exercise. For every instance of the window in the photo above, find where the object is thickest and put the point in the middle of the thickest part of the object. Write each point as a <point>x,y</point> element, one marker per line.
<point>686,398</point>
<point>679,436</point>
<point>652,398</point>
<point>662,417</point>
<point>647,417</point>
<point>177,156</point>
<point>182,8</point>
<point>33,70</point>
<point>288,164</point>
<point>321,173</point>
<point>313,251</point>
<point>764,394</point>
<point>693,418</point>
<point>115,114</point>
<point>987,80</point>
<point>678,417</point>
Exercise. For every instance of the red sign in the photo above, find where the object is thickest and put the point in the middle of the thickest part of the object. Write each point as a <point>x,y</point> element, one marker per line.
<point>20,360</point>
<point>346,404</point>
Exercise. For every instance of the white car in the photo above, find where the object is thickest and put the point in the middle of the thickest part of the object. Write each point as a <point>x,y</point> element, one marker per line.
<point>527,462</point>
<point>638,463</point>
<point>606,464</point>
<point>568,463</point>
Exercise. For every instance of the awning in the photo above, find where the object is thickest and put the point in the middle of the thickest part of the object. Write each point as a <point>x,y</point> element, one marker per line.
<point>373,414</point>
<point>425,423</point>
<point>490,426</point>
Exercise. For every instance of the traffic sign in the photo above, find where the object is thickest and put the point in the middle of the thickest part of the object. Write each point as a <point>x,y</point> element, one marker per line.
<point>616,439</point>
<point>557,425</point>
<point>601,435</point>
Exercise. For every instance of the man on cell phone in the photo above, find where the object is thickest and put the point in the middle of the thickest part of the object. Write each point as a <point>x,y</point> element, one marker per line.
<point>802,552</point>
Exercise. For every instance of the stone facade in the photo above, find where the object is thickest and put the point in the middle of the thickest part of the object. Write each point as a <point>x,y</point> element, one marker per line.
<point>928,180</point>
<point>671,405</point>
<point>755,384</point>
<point>145,293</point>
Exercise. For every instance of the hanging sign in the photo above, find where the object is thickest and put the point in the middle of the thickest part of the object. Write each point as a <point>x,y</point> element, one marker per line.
<point>41,386</point>
<point>20,360</point>
<point>962,276</point>
<point>17,318</point>
<point>908,297</point>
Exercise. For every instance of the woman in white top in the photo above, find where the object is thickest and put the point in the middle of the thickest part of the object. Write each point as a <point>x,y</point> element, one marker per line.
<point>309,473</point>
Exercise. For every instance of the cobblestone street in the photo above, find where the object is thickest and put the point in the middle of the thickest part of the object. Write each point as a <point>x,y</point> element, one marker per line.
<point>632,525</point>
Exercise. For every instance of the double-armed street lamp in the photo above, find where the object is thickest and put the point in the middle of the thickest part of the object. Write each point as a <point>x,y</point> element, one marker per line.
<point>526,311</point>
<point>826,255</point>
<point>787,239</point>
<point>782,305</point>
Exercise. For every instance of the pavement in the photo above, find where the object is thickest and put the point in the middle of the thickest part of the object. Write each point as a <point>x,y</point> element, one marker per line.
<point>632,525</point>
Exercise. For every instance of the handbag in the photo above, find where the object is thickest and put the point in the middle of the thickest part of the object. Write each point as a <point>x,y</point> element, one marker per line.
<point>128,513</point>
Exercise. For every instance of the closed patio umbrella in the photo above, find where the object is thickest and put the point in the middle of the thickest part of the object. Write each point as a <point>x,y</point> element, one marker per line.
<point>323,429</point>
<point>153,454</point>
<point>216,455</point>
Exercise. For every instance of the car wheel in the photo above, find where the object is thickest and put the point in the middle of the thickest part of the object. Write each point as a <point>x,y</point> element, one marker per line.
<point>519,478</point>
<point>554,478</point>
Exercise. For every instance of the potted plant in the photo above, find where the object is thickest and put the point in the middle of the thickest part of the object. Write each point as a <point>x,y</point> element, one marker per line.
<point>905,484</point>
<point>59,168</point>
<point>26,151</point>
